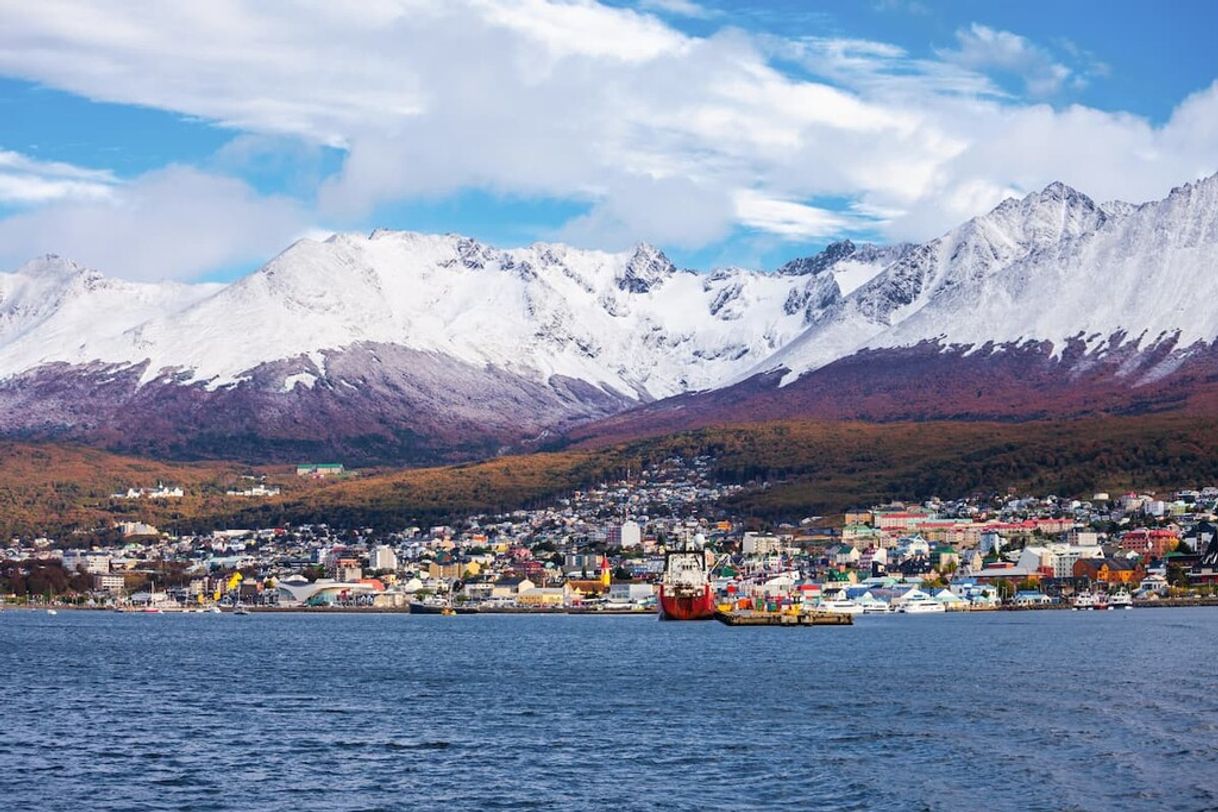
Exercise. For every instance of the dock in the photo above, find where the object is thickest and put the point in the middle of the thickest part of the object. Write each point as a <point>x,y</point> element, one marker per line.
<point>750,617</point>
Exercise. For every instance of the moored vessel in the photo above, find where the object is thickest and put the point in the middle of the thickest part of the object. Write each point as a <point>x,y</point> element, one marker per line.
<point>921,604</point>
<point>840,606</point>
<point>1083,602</point>
<point>685,590</point>
<point>788,618</point>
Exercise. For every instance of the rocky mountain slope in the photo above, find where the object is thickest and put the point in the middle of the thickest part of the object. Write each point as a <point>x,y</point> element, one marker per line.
<point>409,347</point>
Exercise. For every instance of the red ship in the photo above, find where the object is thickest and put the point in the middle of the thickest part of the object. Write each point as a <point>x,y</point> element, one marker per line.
<point>685,590</point>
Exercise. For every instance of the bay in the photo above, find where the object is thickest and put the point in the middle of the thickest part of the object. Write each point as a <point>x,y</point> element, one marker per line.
<point>1032,710</point>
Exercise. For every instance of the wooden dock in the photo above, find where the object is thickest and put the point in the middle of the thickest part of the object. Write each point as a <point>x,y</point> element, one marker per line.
<point>749,617</point>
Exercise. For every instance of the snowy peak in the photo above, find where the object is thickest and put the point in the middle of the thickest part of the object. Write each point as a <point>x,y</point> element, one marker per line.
<point>51,265</point>
<point>809,266</point>
<point>646,268</point>
<point>1041,218</point>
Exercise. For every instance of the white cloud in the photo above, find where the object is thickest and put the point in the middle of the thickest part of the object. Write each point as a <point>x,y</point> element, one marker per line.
<point>664,136</point>
<point>174,223</point>
<point>789,218</point>
<point>981,48</point>
<point>680,8</point>
<point>25,180</point>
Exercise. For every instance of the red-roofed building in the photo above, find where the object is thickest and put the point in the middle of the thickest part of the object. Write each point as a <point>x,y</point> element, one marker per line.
<point>1150,544</point>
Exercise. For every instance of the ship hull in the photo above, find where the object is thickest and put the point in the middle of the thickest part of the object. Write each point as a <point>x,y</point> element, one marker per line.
<point>681,606</point>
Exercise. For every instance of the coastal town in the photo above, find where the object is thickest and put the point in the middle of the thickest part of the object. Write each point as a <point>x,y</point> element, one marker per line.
<point>603,549</point>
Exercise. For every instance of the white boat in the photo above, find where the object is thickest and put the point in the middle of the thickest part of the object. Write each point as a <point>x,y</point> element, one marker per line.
<point>875,607</point>
<point>839,606</point>
<point>1083,602</point>
<point>215,610</point>
<point>921,604</point>
<point>1120,600</point>
<point>52,612</point>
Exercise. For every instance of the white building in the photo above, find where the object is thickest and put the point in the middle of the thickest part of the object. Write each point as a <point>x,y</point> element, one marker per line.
<point>913,546</point>
<point>1154,507</point>
<point>137,529</point>
<point>1058,558</point>
<point>108,583</point>
<point>94,563</point>
<point>759,544</point>
<point>383,558</point>
<point>628,592</point>
<point>627,535</point>
<point>255,490</point>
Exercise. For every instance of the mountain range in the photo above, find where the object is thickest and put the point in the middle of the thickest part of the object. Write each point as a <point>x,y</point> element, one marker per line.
<point>405,347</point>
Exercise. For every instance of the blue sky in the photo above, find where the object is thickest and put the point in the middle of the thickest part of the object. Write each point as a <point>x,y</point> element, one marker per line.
<point>193,143</point>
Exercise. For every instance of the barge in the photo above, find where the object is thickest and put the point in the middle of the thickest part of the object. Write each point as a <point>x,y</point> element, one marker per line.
<point>755,617</point>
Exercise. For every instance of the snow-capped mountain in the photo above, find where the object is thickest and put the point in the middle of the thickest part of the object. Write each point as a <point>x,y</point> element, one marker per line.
<point>1054,267</point>
<point>434,337</point>
<point>409,346</point>
<point>630,323</point>
<point>1049,304</point>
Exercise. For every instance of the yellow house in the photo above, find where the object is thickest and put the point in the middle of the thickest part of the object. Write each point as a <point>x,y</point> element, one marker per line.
<point>543,597</point>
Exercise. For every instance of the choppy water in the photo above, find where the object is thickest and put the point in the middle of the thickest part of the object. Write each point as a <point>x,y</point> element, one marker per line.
<point>1037,710</point>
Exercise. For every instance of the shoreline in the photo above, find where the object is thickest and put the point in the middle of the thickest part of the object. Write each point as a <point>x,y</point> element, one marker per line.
<point>1165,603</point>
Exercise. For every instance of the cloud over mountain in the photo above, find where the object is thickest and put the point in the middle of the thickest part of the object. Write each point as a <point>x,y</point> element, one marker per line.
<point>646,130</point>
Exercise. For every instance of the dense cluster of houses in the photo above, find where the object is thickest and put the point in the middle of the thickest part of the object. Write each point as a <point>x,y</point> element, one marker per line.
<point>605,546</point>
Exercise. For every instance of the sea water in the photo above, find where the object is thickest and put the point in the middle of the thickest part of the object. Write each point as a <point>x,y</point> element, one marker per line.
<point>1027,710</point>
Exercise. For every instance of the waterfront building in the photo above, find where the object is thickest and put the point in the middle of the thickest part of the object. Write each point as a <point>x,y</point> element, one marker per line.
<point>511,587</point>
<point>1112,571</point>
<point>1205,571</point>
<point>543,597</point>
<point>108,583</point>
<point>631,591</point>
<point>348,569</point>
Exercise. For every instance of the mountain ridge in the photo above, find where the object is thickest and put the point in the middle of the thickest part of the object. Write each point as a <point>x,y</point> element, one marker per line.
<point>416,347</point>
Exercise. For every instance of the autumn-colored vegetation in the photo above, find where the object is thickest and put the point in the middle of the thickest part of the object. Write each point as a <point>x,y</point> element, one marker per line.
<point>806,467</point>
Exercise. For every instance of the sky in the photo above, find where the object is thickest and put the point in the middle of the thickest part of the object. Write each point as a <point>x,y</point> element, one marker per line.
<point>194,141</point>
